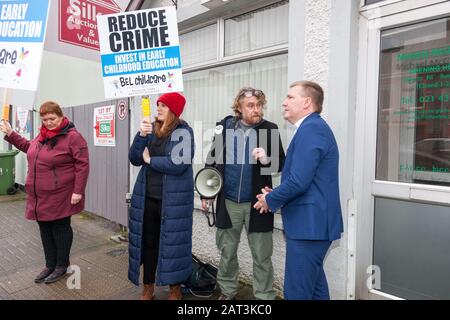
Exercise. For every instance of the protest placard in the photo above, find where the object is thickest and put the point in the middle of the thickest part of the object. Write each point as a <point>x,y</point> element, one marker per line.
<point>140,52</point>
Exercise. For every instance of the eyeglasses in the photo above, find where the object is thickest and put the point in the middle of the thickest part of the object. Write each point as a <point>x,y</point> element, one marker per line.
<point>249,92</point>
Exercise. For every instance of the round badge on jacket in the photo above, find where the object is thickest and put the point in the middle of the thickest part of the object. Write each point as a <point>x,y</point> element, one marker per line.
<point>219,129</point>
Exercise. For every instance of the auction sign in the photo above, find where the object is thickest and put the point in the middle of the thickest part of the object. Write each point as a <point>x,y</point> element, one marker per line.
<point>22,35</point>
<point>140,52</point>
<point>78,21</point>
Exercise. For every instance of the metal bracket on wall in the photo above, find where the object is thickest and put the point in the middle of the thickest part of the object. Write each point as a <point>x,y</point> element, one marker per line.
<point>352,207</point>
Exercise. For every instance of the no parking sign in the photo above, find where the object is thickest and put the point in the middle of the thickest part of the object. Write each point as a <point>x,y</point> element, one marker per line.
<point>122,110</point>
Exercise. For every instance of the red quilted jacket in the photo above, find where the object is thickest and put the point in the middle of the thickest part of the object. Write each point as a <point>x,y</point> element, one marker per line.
<point>54,173</point>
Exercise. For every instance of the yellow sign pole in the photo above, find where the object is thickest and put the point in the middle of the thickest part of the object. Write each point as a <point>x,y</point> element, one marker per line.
<point>5,112</point>
<point>146,109</point>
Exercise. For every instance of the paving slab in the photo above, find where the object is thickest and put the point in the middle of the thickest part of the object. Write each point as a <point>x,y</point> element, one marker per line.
<point>102,263</point>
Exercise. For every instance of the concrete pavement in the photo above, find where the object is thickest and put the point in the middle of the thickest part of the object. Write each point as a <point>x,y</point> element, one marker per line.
<point>103,264</point>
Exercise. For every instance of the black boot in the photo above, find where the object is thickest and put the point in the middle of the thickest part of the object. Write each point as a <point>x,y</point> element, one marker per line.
<point>57,274</point>
<point>44,274</point>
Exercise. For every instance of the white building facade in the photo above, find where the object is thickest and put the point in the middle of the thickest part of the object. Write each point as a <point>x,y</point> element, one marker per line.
<point>267,45</point>
<point>385,70</point>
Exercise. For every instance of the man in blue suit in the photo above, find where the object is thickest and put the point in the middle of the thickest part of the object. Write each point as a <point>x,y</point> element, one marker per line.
<point>308,195</point>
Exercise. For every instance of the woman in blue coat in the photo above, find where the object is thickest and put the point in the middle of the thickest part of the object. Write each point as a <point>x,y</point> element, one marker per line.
<point>162,203</point>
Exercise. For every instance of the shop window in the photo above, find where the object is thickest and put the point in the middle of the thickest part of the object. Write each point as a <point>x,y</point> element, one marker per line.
<point>262,29</point>
<point>413,140</point>
<point>210,94</point>
<point>258,29</point>
<point>210,86</point>
<point>199,45</point>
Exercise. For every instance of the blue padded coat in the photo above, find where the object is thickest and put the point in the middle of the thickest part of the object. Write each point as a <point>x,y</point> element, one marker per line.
<point>175,243</point>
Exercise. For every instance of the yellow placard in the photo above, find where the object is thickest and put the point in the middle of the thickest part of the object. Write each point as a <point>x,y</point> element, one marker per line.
<point>5,113</point>
<point>146,112</point>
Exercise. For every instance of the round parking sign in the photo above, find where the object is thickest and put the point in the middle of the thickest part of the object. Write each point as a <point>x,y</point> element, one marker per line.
<point>122,110</point>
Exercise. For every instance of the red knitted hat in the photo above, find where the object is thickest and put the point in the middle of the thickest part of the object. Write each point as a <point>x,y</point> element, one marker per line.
<point>174,101</point>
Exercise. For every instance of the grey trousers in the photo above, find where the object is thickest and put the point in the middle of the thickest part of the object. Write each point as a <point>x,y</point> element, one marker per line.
<point>261,246</point>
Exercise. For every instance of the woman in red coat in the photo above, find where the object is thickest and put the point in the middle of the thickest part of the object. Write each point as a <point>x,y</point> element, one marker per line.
<point>58,168</point>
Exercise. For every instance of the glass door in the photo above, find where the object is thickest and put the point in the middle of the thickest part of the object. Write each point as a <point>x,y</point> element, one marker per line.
<point>413,140</point>
<point>406,178</point>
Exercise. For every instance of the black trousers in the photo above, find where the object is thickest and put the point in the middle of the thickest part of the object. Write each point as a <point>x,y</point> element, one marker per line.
<point>57,237</point>
<point>150,238</point>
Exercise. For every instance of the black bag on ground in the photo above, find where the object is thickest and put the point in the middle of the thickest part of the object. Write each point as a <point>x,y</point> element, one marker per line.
<point>202,281</point>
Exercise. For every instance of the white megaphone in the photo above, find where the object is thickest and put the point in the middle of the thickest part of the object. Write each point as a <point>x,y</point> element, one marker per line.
<point>208,182</point>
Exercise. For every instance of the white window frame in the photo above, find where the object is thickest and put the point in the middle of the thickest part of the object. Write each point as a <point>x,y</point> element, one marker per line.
<point>390,7</point>
<point>221,59</point>
<point>198,27</point>
<point>375,19</point>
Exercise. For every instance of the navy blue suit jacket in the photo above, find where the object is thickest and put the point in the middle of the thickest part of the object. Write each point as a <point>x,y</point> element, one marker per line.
<point>309,191</point>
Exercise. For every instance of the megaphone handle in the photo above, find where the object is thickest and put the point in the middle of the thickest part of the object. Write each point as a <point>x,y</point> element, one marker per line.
<point>213,216</point>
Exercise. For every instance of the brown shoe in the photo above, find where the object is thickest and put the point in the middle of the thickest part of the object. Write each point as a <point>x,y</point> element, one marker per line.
<point>175,292</point>
<point>149,292</point>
